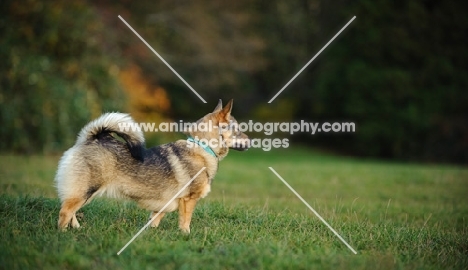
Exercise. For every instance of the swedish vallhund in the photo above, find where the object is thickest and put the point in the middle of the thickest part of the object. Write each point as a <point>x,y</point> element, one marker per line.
<point>101,163</point>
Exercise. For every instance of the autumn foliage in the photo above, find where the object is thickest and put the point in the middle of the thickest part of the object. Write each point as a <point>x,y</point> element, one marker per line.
<point>146,102</point>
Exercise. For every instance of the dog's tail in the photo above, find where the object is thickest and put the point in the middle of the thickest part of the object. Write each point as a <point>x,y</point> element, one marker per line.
<point>119,123</point>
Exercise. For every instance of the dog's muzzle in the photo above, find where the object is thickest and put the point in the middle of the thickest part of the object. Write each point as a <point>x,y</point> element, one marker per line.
<point>241,144</point>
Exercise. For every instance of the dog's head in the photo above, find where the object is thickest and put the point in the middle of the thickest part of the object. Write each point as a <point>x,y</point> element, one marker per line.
<point>228,128</point>
<point>224,128</point>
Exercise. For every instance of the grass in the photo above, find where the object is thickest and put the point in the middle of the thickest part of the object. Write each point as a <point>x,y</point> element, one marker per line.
<point>397,216</point>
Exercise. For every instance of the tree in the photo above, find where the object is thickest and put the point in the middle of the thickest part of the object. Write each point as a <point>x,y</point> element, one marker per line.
<point>54,74</point>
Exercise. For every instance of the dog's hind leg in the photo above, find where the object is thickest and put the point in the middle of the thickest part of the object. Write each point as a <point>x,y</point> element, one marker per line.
<point>67,212</point>
<point>156,221</point>
<point>186,207</point>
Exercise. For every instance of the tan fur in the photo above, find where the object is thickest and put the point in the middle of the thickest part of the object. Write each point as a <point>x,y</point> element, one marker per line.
<point>99,165</point>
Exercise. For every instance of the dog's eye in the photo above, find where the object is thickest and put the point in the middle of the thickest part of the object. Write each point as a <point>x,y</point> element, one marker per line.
<point>235,127</point>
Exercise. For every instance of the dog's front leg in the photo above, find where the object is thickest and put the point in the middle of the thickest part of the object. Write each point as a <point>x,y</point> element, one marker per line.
<point>181,212</point>
<point>156,221</point>
<point>186,207</point>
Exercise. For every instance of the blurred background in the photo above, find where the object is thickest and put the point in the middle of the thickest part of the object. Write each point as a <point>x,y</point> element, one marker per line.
<point>399,71</point>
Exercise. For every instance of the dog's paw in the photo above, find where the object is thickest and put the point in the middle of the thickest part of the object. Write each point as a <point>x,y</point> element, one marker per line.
<point>185,230</point>
<point>154,223</point>
<point>75,224</point>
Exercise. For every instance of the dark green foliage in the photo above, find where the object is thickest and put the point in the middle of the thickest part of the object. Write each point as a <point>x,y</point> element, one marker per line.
<point>55,74</point>
<point>399,72</point>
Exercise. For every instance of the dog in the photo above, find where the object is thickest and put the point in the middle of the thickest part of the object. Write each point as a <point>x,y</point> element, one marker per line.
<point>108,161</point>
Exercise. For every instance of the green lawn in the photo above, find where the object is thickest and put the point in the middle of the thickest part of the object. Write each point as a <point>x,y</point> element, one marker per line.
<point>396,215</point>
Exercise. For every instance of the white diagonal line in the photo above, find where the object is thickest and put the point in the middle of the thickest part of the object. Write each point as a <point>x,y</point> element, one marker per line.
<point>312,209</point>
<point>313,58</point>
<point>162,209</point>
<point>162,59</point>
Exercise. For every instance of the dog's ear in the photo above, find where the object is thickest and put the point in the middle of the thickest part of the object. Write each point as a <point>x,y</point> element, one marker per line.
<point>226,111</point>
<point>218,107</point>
